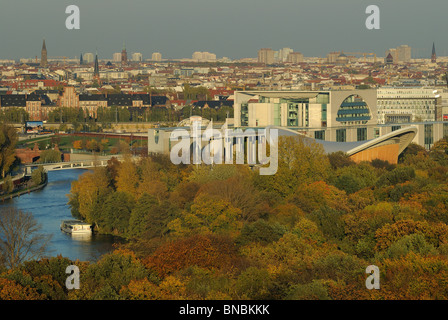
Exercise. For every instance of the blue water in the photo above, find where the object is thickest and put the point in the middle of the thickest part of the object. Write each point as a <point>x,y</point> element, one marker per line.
<point>49,207</point>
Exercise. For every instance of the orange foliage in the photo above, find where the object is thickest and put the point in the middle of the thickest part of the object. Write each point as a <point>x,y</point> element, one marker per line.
<point>310,197</point>
<point>11,290</point>
<point>77,144</point>
<point>207,251</point>
<point>436,234</point>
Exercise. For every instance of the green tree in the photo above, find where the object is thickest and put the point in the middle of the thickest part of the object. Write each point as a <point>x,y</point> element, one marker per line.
<point>49,156</point>
<point>116,212</point>
<point>8,141</point>
<point>299,161</point>
<point>38,175</point>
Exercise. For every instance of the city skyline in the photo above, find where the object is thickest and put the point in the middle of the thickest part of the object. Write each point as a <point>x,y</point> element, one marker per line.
<point>229,29</point>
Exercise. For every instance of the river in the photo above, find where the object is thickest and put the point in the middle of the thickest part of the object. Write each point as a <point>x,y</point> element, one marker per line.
<point>49,207</point>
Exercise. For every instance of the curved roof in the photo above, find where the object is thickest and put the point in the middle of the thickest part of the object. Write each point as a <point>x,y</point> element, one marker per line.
<point>403,137</point>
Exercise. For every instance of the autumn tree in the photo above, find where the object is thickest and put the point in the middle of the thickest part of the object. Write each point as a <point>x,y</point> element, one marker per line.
<point>88,193</point>
<point>104,279</point>
<point>299,161</point>
<point>127,177</point>
<point>206,251</point>
<point>208,214</point>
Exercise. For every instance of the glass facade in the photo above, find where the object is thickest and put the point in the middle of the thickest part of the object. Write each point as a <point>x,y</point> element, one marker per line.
<point>361,134</point>
<point>293,111</point>
<point>429,136</point>
<point>319,135</point>
<point>324,115</point>
<point>353,110</point>
<point>244,114</point>
<point>341,135</point>
<point>376,133</point>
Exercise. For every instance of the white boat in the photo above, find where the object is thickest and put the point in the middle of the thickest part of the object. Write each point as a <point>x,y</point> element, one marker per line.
<point>76,227</point>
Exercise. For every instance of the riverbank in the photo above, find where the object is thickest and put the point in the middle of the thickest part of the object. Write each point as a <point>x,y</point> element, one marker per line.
<point>49,207</point>
<point>18,193</point>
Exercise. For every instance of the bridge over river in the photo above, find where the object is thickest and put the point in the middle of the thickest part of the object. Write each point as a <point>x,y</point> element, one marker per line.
<point>76,164</point>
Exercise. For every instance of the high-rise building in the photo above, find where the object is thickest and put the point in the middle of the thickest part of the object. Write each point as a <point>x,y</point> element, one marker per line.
<point>88,57</point>
<point>295,57</point>
<point>283,54</point>
<point>81,60</point>
<point>203,56</point>
<point>124,55</point>
<point>400,54</point>
<point>156,56</point>
<point>332,56</point>
<point>433,55</point>
<point>137,57</point>
<point>116,57</point>
<point>404,53</point>
<point>394,53</point>
<point>43,57</point>
<point>266,56</point>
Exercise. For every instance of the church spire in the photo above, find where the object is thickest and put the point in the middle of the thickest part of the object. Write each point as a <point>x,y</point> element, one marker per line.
<point>43,56</point>
<point>96,69</point>
<point>433,55</point>
<point>124,56</point>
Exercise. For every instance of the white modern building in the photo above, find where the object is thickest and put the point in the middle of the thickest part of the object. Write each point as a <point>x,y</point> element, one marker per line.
<point>347,115</point>
<point>404,105</point>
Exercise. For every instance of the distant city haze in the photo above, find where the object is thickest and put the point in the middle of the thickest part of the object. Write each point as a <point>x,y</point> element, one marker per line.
<point>231,28</point>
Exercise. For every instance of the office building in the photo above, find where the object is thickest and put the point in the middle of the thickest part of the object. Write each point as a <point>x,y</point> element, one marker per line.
<point>404,53</point>
<point>295,57</point>
<point>266,56</point>
<point>88,57</point>
<point>137,57</point>
<point>400,54</point>
<point>156,56</point>
<point>405,105</point>
<point>203,56</point>
<point>305,109</point>
<point>283,54</point>
<point>116,57</point>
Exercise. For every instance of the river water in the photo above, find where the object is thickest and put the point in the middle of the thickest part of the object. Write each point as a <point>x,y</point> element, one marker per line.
<point>49,207</point>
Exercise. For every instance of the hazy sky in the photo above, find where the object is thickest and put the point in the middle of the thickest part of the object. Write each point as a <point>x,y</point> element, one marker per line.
<point>230,28</point>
